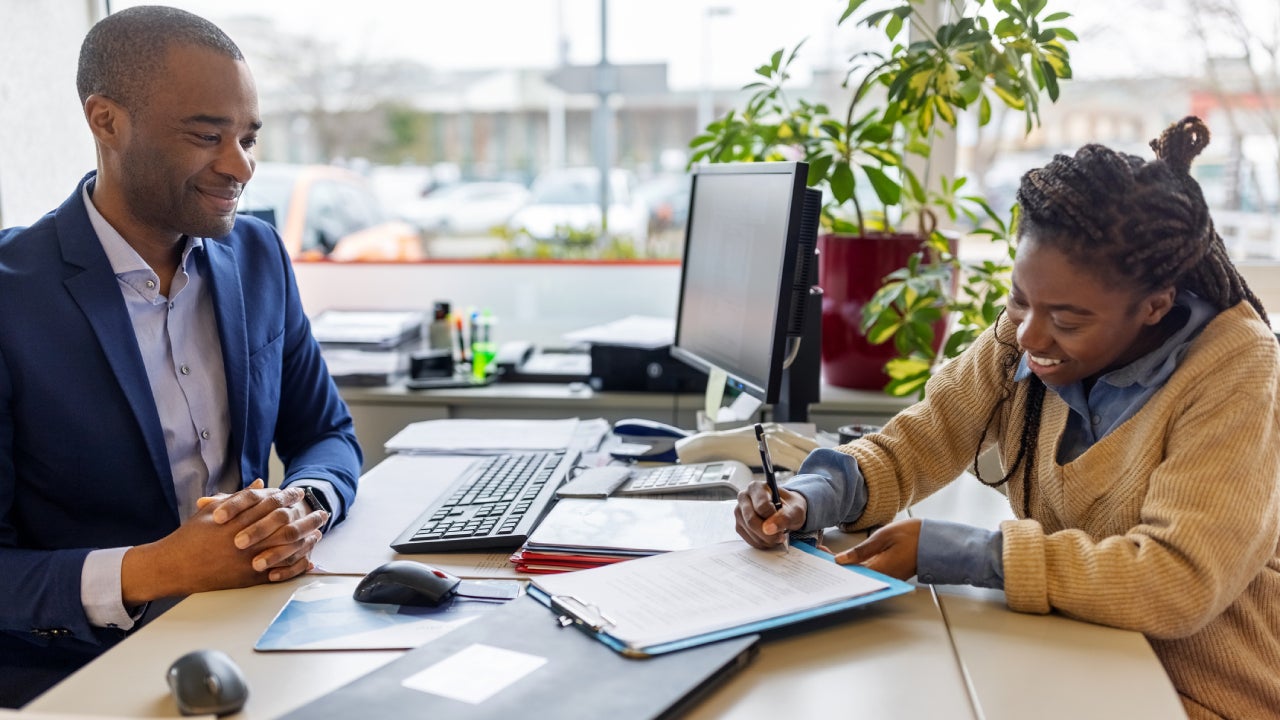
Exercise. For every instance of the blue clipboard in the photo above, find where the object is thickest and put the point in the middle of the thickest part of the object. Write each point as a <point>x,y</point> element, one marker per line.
<point>568,616</point>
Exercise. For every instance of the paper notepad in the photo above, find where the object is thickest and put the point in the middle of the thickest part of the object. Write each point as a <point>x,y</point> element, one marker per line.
<point>660,603</point>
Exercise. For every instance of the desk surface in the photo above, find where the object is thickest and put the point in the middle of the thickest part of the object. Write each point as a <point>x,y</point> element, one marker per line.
<point>925,654</point>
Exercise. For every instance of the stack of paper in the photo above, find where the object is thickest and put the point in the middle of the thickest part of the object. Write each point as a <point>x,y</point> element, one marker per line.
<point>484,437</point>
<point>581,533</point>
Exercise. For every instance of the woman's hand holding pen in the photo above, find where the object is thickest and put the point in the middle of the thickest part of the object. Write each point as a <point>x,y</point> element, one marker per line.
<point>759,523</point>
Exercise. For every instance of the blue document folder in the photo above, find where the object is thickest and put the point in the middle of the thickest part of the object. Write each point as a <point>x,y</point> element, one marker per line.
<point>594,613</point>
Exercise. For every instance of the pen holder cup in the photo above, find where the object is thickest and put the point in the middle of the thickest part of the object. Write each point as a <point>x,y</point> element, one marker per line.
<point>482,354</point>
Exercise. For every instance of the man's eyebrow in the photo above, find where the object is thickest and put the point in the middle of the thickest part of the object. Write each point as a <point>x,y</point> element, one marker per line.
<point>217,121</point>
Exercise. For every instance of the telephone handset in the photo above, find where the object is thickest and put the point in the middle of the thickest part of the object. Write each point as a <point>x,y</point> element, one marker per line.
<point>787,448</point>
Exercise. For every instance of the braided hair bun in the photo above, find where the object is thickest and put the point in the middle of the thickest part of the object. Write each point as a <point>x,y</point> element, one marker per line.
<point>1144,221</point>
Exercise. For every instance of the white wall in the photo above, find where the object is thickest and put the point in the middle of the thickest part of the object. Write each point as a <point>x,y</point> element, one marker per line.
<point>38,105</point>
<point>535,302</point>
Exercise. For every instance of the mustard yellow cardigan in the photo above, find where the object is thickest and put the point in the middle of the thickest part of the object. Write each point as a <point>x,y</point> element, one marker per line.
<point>1169,525</point>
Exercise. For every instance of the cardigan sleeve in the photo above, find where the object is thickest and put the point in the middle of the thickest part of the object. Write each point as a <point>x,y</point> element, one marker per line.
<point>929,444</point>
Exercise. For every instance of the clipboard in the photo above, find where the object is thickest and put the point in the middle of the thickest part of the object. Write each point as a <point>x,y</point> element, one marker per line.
<point>599,619</point>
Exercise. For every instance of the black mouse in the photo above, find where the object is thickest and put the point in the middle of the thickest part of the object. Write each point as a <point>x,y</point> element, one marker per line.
<point>207,682</point>
<point>405,582</point>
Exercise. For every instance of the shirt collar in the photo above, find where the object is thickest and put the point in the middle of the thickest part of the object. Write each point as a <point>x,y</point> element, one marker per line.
<point>120,253</point>
<point>1155,367</point>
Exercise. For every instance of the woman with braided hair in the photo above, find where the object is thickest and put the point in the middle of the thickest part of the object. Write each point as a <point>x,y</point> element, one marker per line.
<point>1130,391</point>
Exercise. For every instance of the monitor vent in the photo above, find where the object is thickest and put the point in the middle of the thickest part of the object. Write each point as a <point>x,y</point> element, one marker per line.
<point>806,261</point>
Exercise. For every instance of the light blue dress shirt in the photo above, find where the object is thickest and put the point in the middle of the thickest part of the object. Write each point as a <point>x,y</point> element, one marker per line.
<point>954,553</point>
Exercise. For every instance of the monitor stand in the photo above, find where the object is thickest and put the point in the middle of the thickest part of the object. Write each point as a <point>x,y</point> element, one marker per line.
<point>802,379</point>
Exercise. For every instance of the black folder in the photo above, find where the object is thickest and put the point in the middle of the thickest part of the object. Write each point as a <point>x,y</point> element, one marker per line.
<point>574,677</point>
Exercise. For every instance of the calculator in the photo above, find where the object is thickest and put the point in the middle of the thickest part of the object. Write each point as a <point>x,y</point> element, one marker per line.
<point>729,475</point>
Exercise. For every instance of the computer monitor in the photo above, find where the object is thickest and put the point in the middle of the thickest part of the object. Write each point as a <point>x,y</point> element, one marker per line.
<point>749,304</point>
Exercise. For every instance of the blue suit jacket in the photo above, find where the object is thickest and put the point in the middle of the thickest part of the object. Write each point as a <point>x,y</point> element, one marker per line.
<point>83,463</point>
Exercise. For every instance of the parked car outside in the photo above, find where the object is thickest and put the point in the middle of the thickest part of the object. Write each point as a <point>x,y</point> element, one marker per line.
<point>326,212</point>
<point>466,208</point>
<point>568,200</point>
<point>395,185</point>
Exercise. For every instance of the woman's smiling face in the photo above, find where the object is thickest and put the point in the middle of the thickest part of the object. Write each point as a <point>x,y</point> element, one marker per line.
<point>1076,323</point>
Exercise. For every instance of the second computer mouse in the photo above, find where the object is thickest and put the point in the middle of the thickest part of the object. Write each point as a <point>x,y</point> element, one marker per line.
<point>405,582</point>
<point>207,682</point>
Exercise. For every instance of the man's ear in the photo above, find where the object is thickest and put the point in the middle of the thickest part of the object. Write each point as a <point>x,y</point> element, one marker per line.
<point>1158,304</point>
<point>108,120</point>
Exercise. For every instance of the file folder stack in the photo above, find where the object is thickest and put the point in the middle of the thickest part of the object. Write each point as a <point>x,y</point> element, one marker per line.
<point>581,533</point>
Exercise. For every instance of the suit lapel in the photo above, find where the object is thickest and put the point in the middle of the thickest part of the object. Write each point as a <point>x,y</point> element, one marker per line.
<point>228,307</point>
<point>95,289</point>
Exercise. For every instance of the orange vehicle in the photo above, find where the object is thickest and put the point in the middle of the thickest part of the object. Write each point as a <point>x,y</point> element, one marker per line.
<point>327,212</point>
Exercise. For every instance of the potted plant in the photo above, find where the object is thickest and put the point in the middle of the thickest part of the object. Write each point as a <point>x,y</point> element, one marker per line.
<point>873,159</point>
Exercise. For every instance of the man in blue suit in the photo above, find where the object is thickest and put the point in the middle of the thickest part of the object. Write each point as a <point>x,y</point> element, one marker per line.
<point>153,347</point>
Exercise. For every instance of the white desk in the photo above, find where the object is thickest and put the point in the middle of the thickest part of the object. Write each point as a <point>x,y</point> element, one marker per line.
<point>1076,669</point>
<point>921,655</point>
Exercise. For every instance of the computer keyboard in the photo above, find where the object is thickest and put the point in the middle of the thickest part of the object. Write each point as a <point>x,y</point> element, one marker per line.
<point>725,475</point>
<point>494,506</point>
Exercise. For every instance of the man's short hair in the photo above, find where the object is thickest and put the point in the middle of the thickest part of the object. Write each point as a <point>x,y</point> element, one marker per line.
<point>124,51</point>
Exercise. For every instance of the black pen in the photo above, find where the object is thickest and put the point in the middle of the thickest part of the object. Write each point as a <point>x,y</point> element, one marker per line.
<point>767,463</point>
<point>769,477</point>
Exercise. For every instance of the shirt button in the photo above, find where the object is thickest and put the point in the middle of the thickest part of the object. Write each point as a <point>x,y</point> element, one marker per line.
<point>204,434</point>
<point>170,306</point>
<point>184,370</point>
<point>1096,419</point>
<point>151,283</point>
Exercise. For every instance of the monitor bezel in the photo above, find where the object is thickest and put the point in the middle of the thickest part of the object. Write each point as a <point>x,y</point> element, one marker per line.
<point>781,290</point>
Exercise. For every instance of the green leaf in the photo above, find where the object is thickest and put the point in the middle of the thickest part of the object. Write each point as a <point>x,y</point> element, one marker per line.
<point>893,27</point>
<point>841,182</point>
<point>984,110</point>
<point>876,133</point>
<point>1055,17</point>
<point>853,7</point>
<point>818,168</point>
<point>884,155</point>
<point>885,328</point>
<point>886,189</point>
<point>1050,80</point>
<point>775,62</point>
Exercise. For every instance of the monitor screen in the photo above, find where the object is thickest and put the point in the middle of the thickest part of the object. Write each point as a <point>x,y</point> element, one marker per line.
<point>748,268</point>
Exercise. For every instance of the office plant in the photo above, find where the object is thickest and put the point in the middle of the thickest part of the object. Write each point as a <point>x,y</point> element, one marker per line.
<point>873,157</point>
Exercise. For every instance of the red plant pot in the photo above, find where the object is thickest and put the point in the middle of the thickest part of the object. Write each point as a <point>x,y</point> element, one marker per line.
<point>850,270</point>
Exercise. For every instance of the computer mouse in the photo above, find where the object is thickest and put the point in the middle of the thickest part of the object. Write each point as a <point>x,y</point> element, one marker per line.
<point>405,582</point>
<point>207,682</point>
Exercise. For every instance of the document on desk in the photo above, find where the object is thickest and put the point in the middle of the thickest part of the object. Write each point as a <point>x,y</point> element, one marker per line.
<point>667,602</point>
<point>483,437</point>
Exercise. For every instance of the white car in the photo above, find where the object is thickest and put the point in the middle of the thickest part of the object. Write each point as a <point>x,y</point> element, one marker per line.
<point>569,199</point>
<point>465,208</point>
